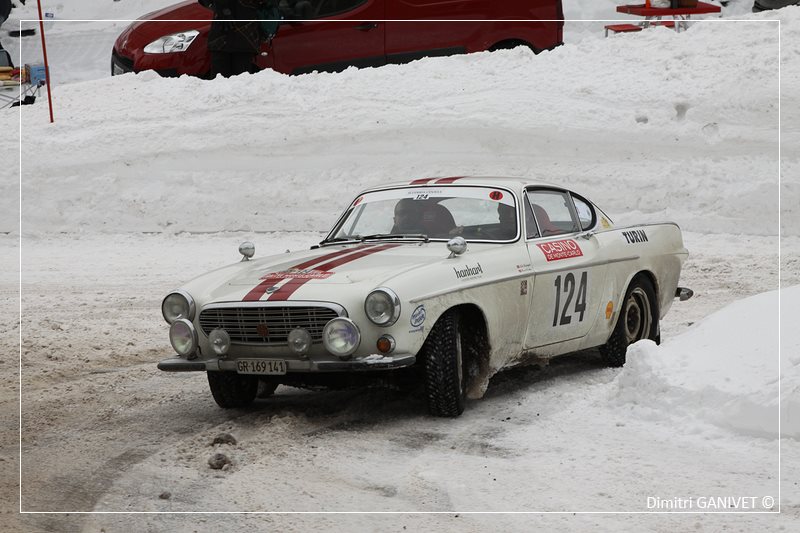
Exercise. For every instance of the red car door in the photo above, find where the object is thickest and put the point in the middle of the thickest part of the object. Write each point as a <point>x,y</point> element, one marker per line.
<point>406,41</point>
<point>330,36</point>
<point>411,40</point>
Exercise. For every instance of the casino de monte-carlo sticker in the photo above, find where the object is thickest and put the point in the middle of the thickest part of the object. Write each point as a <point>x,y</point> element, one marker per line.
<point>563,249</point>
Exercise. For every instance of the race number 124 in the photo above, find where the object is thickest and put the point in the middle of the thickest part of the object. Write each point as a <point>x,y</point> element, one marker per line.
<point>562,315</point>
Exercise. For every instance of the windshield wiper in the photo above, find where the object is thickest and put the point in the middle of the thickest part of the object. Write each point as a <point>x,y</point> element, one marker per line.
<point>354,238</point>
<point>374,237</point>
<point>377,236</point>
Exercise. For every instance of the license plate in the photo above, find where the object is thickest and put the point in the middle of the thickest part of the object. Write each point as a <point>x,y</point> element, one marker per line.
<point>262,367</point>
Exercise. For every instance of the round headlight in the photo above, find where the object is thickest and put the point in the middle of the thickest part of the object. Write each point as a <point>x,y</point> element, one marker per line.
<point>382,307</point>
<point>299,341</point>
<point>177,304</point>
<point>341,337</point>
<point>220,341</point>
<point>183,337</point>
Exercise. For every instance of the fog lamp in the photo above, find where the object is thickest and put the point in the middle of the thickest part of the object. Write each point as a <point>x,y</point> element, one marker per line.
<point>299,341</point>
<point>220,341</point>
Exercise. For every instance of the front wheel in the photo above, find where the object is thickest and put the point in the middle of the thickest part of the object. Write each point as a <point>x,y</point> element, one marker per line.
<point>232,390</point>
<point>445,377</point>
<point>638,319</point>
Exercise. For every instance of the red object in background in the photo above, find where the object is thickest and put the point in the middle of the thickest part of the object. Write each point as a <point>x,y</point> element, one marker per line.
<point>701,8</point>
<point>370,33</point>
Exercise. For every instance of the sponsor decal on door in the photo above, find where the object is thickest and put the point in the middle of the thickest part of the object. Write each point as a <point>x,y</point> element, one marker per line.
<point>558,250</point>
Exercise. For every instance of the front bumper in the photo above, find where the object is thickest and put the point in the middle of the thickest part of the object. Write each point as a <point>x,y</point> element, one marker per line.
<point>373,362</point>
<point>121,64</point>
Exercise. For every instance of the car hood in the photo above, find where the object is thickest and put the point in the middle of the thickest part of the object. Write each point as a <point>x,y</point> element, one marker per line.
<point>190,14</point>
<point>330,266</point>
<point>340,264</point>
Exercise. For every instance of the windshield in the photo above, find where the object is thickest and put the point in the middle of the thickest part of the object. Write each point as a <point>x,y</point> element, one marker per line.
<point>475,213</point>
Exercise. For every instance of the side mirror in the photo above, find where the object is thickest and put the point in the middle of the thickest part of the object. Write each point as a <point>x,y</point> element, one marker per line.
<point>457,246</point>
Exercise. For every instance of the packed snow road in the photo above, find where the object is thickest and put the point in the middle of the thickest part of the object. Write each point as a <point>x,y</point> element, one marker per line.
<point>104,430</point>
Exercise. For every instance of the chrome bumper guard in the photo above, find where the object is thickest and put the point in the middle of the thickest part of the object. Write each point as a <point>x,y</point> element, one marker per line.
<point>176,364</point>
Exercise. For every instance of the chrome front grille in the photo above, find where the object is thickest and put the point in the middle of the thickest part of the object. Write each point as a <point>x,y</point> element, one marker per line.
<point>266,325</point>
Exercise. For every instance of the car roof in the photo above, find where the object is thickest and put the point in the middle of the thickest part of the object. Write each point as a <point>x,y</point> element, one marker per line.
<point>514,183</point>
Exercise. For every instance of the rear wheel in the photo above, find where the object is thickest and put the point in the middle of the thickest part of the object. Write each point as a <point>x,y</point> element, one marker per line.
<point>231,389</point>
<point>638,319</point>
<point>445,375</point>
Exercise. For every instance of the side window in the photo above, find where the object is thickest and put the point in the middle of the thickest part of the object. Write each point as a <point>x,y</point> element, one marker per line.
<point>553,212</point>
<point>585,212</point>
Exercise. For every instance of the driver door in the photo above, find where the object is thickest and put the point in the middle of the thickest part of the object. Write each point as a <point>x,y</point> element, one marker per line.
<point>568,268</point>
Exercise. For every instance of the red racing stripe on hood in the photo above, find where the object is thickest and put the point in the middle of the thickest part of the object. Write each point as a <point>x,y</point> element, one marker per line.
<point>258,291</point>
<point>421,181</point>
<point>292,285</point>
<point>448,180</point>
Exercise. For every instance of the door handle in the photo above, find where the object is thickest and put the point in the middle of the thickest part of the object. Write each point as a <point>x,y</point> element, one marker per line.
<point>367,26</point>
<point>586,235</point>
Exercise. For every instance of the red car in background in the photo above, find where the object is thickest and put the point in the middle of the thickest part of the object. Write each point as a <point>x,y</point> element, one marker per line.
<point>367,33</point>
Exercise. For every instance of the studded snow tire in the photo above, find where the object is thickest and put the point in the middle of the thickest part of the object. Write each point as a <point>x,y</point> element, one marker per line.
<point>445,375</point>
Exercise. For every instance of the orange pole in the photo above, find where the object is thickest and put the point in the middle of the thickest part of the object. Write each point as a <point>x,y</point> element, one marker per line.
<point>46,66</point>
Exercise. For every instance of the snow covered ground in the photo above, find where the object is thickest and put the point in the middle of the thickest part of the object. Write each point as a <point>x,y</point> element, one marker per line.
<point>104,430</point>
<point>144,182</point>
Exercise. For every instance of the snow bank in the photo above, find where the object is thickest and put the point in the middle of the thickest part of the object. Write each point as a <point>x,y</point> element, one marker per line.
<point>724,370</point>
<point>651,126</point>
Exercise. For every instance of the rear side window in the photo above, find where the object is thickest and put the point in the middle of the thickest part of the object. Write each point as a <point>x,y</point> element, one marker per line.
<point>586,215</point>
<point>554,212</point>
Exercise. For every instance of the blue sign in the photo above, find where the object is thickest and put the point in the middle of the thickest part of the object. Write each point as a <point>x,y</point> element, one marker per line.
<point>418,316</point>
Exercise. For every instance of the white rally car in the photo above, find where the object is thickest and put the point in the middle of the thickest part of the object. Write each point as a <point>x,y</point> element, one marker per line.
<point>442,280</point>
